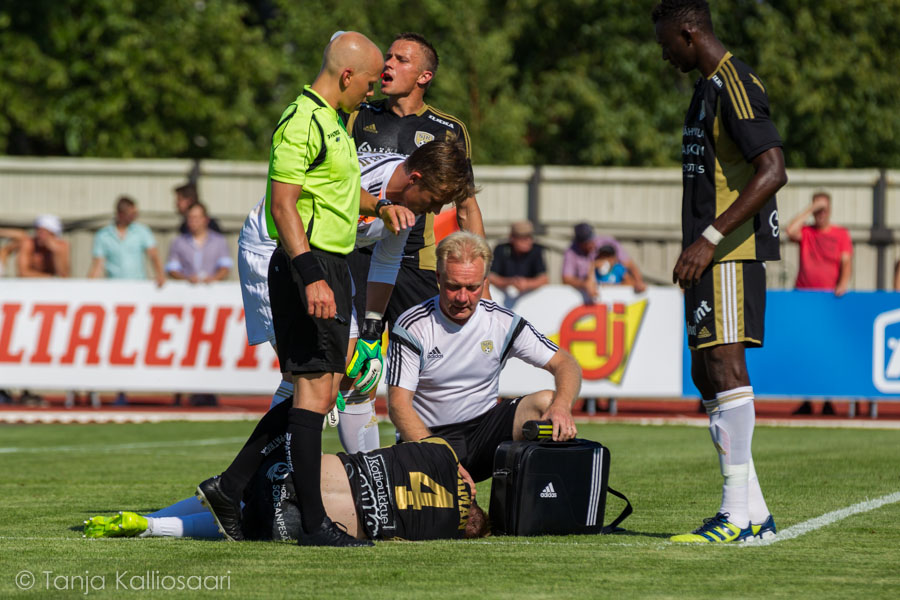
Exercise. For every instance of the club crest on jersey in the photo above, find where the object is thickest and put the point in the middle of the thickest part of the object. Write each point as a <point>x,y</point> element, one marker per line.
<point>278,471</point>
<point>487,346</point>
<point>423,137</point>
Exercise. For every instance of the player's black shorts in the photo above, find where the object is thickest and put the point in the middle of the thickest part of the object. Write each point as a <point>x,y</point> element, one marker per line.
<point>727,306</point>
<point>476,440</point>
<point>413,286</point>
<point>307,344</point>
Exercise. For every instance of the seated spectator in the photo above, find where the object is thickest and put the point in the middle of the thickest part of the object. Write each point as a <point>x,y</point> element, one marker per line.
<point>201,255</point>
<point>519,263</point>
<point>578,261</point>
<point>120,248</point>
<point>608,270</point>
<point>46,254</point>
<point>185,197</point>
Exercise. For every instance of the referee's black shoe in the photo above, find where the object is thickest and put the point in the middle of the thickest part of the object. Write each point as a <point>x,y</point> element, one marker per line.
<point>225,510</point>
<point>330,533</point>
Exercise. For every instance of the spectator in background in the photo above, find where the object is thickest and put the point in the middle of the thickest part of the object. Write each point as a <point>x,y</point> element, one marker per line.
<point>201,255</point>
<point>826,251</point>
<point>578,261</point>
<point>826,254</point>
<point>15,237</point>
<point>40,256</point>
<point>119,251</point>
<point>120,248</point>
<point>185,197</point>
<point>519,263</point>
<point>46,254</point>
<point>608,270</point>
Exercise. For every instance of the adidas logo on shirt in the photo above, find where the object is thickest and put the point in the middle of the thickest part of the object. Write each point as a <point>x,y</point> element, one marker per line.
<point>435,353</point>
<point>370,128</point>
<point>548,491</point>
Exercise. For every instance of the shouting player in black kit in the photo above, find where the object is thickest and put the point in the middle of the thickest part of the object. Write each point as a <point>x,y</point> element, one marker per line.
<point>401,123</point>
<point>732,166</point>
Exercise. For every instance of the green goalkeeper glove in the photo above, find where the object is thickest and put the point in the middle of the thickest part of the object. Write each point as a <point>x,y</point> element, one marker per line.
<point>366,365</point>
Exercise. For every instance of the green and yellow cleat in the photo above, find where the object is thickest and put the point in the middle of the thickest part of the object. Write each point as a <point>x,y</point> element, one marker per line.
<point>715,530</point>
<point>124,524</point>
<point>764,531</point>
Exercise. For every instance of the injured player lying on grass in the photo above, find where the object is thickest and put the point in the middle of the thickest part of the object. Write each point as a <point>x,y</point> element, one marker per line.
<point>411,491</point>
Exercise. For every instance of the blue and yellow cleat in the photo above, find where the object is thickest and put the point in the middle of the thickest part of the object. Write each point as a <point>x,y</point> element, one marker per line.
<point>765,531</point>
<point>124,524</point>
<point>715,530</point>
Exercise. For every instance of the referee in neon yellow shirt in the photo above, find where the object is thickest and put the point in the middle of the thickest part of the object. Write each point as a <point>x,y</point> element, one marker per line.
<point>312,207</point>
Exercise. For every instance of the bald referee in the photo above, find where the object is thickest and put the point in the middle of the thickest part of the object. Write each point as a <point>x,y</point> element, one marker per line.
<point>312,207</point>
<point>445,357</point>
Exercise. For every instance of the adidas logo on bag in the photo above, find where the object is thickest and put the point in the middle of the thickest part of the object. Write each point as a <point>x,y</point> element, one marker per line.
<point>548,491</point>
<point>435,353</point>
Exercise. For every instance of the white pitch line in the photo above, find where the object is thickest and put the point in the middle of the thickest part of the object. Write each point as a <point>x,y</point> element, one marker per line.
<point>113,447</point>
<point>827,519</point>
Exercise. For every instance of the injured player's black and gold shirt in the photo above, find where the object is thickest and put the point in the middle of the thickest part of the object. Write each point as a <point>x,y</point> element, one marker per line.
<point>726,127</point>
<point>411,491</point>
<point>375,128</point>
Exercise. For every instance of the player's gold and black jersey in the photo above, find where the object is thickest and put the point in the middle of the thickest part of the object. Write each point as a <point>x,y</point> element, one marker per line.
<point>726,127</point>
<point>410,491</point>
<point>375,128</point>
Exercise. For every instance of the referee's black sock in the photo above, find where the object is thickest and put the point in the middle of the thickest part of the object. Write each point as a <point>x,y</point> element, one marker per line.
<point>305,458</point>
<point>244,465</point>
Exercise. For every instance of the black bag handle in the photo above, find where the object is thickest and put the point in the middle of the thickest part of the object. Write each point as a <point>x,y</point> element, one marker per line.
<point>626,512</point>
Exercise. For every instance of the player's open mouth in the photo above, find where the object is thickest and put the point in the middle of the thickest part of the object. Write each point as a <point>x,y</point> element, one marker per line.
<point>385,78</point>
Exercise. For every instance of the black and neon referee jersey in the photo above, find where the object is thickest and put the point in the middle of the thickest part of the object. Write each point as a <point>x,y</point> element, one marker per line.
<point>726,127</point>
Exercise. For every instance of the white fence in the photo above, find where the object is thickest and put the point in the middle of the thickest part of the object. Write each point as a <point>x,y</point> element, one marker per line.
<point>639,206</point>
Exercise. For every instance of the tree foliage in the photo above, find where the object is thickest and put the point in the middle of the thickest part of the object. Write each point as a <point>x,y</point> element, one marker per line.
<point>562,82</point>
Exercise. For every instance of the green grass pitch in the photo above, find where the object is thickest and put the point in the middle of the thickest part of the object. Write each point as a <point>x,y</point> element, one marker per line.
<point>53,477</point>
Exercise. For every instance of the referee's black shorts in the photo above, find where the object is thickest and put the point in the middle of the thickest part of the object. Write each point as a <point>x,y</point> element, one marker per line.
<point>306,344</point>
<point>475,441</point>
<point>413,286</point>
<point>727,306</point>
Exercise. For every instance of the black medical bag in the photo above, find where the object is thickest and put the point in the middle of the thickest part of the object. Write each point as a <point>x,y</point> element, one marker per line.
<point>551,488</point>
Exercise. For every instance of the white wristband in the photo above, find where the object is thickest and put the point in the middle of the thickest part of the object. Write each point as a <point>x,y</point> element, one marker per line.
<point>713,235</point>
<point>373,314</point>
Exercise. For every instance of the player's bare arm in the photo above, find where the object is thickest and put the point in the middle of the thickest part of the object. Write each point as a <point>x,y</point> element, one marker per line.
<point>404,416</point>
<point>769,178</point>
<point>468,216</point>
<point>396,217</point>
<point>292,234</point>
<point>567,383</point>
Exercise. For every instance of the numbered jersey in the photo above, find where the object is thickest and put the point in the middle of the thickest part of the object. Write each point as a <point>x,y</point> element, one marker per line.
<point>726,127</point>
<point>410,491</point>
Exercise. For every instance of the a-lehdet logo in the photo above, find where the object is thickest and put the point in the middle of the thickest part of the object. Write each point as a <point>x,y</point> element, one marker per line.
<point>601,337</point>
<point>886,352</point>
